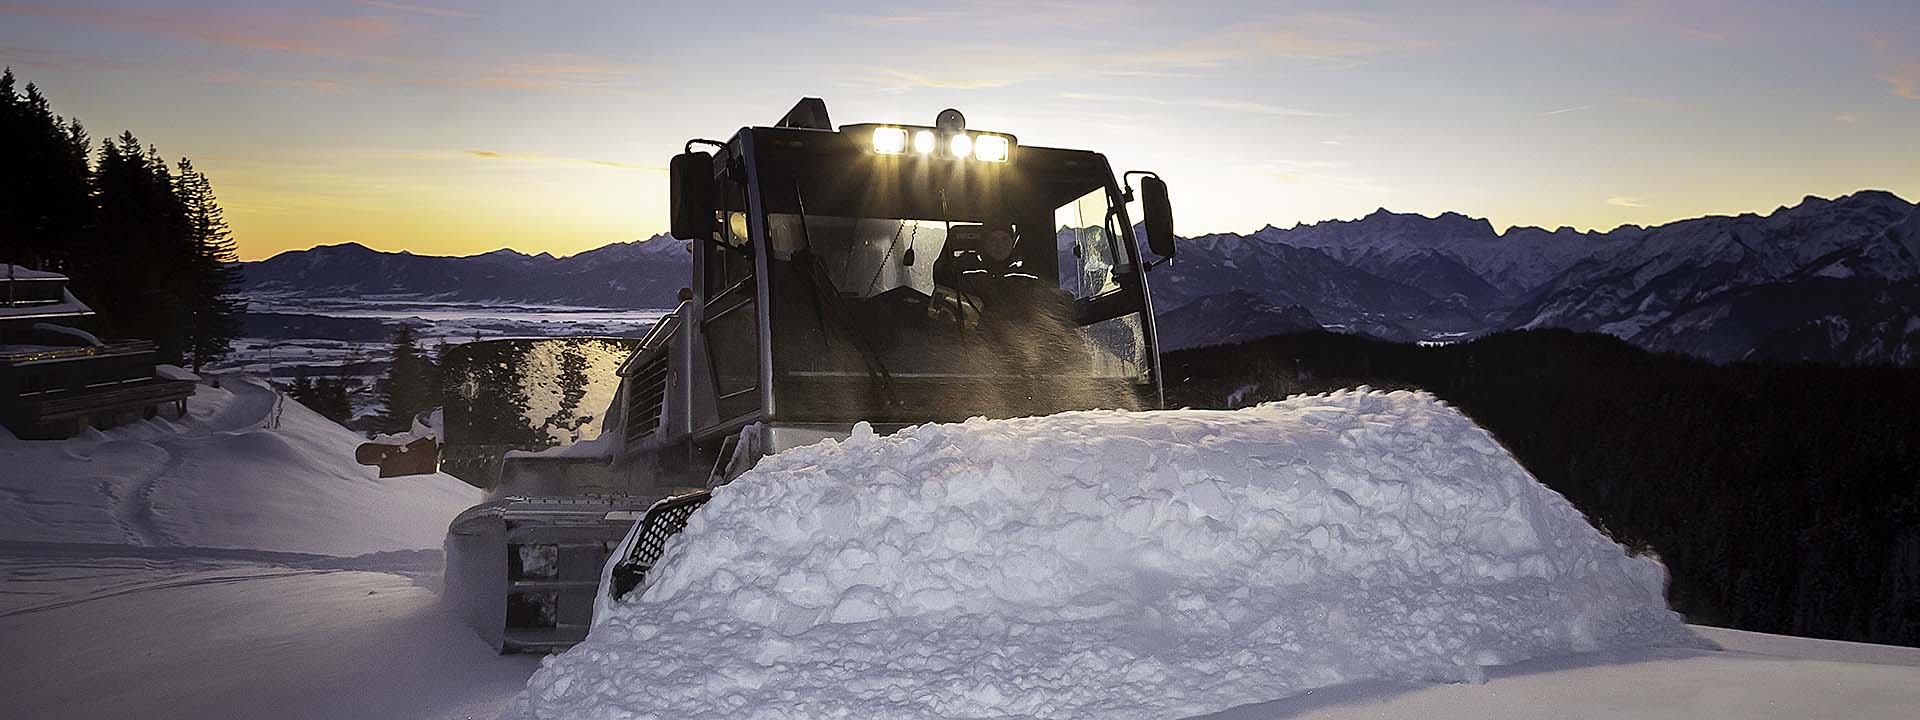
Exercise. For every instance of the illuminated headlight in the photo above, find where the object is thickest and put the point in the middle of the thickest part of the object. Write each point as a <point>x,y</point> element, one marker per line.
<point>990,148</point>
<point>923,142</point>
<point>889,140</point>
<point>960,146</point>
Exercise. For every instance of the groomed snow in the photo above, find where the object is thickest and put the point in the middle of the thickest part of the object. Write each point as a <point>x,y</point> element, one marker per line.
<point>1111,565</point>
<point>245,469</point>
<point>236,563</point>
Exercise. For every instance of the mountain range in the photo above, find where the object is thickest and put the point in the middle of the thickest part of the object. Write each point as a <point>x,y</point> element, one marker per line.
<point>630,275</point>
<point>1823,280</point>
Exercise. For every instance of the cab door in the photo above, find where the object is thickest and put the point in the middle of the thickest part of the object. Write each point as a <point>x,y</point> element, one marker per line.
<point>730,317</point>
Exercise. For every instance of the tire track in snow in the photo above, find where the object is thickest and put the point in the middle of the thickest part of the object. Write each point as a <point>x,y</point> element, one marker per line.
<point>132,504</point>
<point>133,509</point>
<point>241,565</point>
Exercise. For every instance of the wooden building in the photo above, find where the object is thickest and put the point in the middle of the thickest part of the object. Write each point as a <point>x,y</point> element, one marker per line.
<point>56,378</point>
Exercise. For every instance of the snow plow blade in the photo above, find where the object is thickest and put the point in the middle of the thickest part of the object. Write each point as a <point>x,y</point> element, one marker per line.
<point>524,571</point>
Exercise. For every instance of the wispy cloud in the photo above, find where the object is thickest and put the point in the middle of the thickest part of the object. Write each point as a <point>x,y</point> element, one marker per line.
<point>1626,202</point>
<point>901,20</point>
<point>417,9</point>
<point>1847,119</point>
<point>1321,174</point>
<point>33,57</point>
<point>537,160</point>
<point>1342,40</point>
<point>1898,70</point>
<point>1318,41</point>
<point>1903,79</point>
<point>319,85</point>
<point>1565,110</point>
<point>1005,15</point>
<point>1144,73</point>
<point>1241,106</point>
<point>345,38</point>
<point>897,80</point>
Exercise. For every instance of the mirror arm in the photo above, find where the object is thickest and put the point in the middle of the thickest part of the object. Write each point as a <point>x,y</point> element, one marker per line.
<point>1126,188</point>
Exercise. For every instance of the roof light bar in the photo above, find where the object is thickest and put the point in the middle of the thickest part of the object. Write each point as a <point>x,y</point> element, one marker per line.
<point>889,140</point>
<point>960,146</point>
<point>935,142</point>
<point>991,148</point>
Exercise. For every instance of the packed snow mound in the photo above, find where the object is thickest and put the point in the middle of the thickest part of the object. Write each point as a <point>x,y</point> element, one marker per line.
<point>1110,565</point>
<point>247,468</point>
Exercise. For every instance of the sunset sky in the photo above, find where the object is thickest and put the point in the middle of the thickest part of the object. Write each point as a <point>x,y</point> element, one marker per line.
<point>445,128</point>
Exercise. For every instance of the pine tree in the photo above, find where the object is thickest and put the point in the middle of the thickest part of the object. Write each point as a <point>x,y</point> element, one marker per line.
<point>46,192</point>
<point>145,284</point>
<point>301,389</point>
<point>410,386</point>
<point>213,311</point>
<point>331,401</point>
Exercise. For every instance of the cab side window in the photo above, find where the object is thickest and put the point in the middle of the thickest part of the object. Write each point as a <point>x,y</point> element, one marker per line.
<point>1088,253</point>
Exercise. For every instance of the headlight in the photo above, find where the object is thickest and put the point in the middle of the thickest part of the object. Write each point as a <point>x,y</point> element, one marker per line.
<point>923,142</point>
<point>889,140</point>
<point>990,148</point>
<point>960,146</point>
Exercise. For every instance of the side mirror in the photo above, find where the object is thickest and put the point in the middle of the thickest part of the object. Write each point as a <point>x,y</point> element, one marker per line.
<point>691,177</point>
<point>1158,216</point>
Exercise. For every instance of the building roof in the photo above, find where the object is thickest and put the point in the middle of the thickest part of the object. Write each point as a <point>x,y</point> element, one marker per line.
<point>15,272</point>
<point>69,306</point>
<point>40,307</point>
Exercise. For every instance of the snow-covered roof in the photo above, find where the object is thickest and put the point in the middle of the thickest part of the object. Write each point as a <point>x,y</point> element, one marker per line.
<point>174,372</point>
<point>69,306</point>
<point>16,272</point>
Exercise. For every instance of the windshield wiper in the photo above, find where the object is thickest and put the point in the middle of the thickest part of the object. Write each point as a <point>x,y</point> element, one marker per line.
<point>816,276</point>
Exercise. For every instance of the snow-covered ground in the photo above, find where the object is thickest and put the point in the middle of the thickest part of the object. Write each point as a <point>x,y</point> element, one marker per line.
<point>1087,565</point>
<point>236,563</point>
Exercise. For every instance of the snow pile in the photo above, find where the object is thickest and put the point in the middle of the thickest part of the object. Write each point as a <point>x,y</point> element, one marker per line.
<point>1110,565</point>
<point>247,468</point>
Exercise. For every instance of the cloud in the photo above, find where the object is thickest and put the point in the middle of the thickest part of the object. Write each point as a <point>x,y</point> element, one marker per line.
<point>1241,106</point>
<point>33,57</point>
<point>1847,119</point>
<point>1141,73</point>
<point>1654,103</point>
<point>1904,80</point>
<point>319,85</point>
<point>903,20</point>
<point>900,80</point>
<point>1314,173</point>
<point>1565,110</point>
<point>1899,72</point>
<point>1321,38</point>
<point>537,160</point>
<point>1006,15</point>
<point>1626,202</point>
<point>417,9</point>
<point>332,37</point>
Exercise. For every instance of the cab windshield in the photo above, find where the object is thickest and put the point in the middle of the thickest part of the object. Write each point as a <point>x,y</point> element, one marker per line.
<point>908,286</point>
